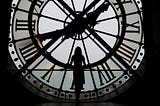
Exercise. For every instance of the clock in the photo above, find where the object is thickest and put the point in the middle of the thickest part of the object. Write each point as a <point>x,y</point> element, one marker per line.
<point>45,35</point>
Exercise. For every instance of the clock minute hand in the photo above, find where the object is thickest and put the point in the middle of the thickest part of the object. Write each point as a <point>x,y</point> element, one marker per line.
<point>79,24</point>
<point>92,16</point>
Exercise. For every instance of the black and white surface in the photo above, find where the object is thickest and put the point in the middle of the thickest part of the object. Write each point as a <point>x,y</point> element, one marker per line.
<point>144,91</point>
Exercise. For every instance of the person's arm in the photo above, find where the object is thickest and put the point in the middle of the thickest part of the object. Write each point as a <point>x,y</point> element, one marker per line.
<point>84,61</point>
<point>72,59</point>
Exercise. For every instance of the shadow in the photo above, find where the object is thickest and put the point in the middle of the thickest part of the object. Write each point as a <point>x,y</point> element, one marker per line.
<point>80,104</point>
<point>78,72</point>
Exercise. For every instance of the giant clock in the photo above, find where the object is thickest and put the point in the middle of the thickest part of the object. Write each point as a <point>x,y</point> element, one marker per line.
<point>45,33</point>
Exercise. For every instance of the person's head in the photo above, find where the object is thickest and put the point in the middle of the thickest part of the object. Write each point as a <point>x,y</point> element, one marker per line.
<point>78,51</point>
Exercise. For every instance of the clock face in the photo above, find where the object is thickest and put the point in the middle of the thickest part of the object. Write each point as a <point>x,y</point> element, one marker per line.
<point>45,33</point>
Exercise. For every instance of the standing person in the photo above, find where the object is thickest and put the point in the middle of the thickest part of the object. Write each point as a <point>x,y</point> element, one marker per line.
<point>78,73</point>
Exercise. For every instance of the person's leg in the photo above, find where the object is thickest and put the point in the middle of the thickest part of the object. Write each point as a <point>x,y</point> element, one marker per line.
<point>77,92</point>
<point>78,88</point>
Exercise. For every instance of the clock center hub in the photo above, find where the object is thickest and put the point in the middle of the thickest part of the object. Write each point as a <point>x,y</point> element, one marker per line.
<point>79,26</point>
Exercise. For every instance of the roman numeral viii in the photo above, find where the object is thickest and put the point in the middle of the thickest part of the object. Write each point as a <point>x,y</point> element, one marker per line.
<point>28,51</point>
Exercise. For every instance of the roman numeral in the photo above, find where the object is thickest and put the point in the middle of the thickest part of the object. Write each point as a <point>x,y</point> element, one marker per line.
<point>48,74</point>
<point>126,52</point>
<point>133,27</point>
<point>126,1</point>
<point>23,24</point>
<point>123,2</point>
<point>28,51</point>
<point>38,3</point>
<point>104,73</point>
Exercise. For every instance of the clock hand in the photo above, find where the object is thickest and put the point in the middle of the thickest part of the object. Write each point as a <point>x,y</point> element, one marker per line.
<point>50,35</point>
<point>67,7</point>
<point>78,25</point>
<point>69,31</point>
<point>92,16</point>
<point>90,7</point>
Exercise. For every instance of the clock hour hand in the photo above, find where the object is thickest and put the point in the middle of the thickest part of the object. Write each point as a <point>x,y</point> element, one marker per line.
<point>92,16</point>
<point>54,34</point>
<point>66,32</point>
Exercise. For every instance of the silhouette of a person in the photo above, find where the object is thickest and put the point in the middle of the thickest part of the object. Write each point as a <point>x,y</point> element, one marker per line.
<point>78,73</point>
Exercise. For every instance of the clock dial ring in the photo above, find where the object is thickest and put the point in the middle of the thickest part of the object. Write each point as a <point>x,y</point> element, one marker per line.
<point>101,87</point>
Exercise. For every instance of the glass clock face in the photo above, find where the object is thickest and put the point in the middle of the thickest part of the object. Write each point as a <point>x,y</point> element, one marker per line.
<point>45,33</point>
